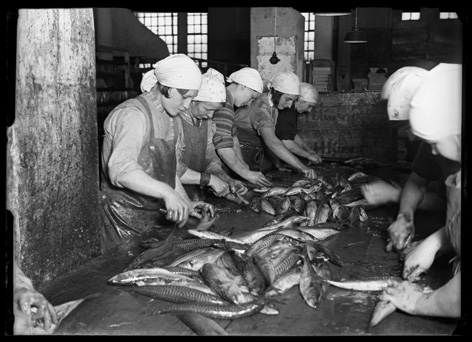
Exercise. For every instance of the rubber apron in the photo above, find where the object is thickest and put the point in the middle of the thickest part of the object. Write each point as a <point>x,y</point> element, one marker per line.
<point>194,154</point>
<point>127,213</point>
<point>453,216</point>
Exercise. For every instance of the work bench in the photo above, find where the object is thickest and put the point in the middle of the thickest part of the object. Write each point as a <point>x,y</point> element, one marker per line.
<point>114,311</point>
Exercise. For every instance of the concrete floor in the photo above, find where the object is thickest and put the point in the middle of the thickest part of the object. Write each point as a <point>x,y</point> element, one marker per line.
<point>117,312</point>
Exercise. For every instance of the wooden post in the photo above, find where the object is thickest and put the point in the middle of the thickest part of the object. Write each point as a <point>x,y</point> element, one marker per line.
<point>52,156</point>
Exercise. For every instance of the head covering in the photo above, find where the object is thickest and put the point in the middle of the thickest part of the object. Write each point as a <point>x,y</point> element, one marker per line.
<point>178,71</point>
<point>249,77</point>
<point>285,82</point>
<point>212,88</point>
<point>308,93</point>
<point>399,89</point>
<point>436,107</point>
<point>148,81</point>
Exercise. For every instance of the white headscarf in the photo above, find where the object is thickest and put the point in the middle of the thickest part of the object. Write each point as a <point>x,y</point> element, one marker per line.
<point>436,107</point>
<point>249,77</point>
<point>212,88</point>
<point>176,71</point>
<point>308,93</point>
<point>399,89</point>
<point>285,82</point>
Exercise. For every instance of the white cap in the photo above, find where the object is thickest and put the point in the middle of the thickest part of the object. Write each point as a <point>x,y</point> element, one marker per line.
<point>399,88</point>
<point>212,88</point>
<point>248,77</point>
<point>285,82</point>
<point>308,92</point>
<point>178,71</point>
<point>436,107</point>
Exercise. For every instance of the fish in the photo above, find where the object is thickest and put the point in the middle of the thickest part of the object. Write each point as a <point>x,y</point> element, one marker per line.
<point>310,211</point>
<point>190,255</point>
<point>261,189</point>
<point>153,253</point>
<point>276,190</point>
<point>226,261</point>
<point>235,197</point>
<point>183,271</point>
<point>284,282</point>
<point>201,325</point>
<point>254,277</point>
<point>189,245</point>
<point>212,235</point>
<point>267,207</point>
<point>288,262</point>
<point>176,294</point>
<point>319,233</point>
<point>356,175</point>
<point>301,182</point>
<point>197,262</point>
<point>310,284</point>
<point>354,217</point>
<point>151,243</point>
<point>382,309</point>
<point>218,279</point>
<point>296,234</point>
<point>132,276</point>
<point>255,204</point>
<point>283,207</point>
<point>230,311</point>
<point>349,196</point>
<point>298,204</point>
<point>322,213</point>
<point>262,243</point>
<point>62,311</point>
<point>297,190</point>
<point>332,256</point>
<point>323,270</point>
<point>280,217</point>
<point>267,268</point>
<point>363,203</point>
<point>367,284</point>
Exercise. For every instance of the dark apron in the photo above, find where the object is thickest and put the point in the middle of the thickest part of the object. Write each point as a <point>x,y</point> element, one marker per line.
<point>127,213</point>
<point>453,220</point>
<point>194,154</point>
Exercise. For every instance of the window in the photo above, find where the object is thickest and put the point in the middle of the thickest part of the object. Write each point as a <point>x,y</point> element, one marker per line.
<point>162,24</point>
<point>309,43</point>
<point>197,36</point>
<point>410,16</point>
<point>448,15</point>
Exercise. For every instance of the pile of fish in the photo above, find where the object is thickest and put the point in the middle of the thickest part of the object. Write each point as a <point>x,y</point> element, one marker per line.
<point>213,276</point>
<point>324,199</point>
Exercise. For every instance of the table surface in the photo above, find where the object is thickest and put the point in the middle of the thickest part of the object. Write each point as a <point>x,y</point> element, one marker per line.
<point>114,311</point>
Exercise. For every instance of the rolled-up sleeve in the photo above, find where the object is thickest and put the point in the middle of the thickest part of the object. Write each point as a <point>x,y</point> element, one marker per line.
<point>225,128</point>
<point>211,156</point>
<point>262,117</point>
<point>125,132</point>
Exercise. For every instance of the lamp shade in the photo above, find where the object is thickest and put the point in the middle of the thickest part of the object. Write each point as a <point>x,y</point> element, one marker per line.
<point>355,36</point>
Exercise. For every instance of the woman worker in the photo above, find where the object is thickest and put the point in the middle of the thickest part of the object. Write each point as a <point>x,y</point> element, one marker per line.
<point>200,163</point>
<point>244,86</point>
<point>436,117</point>
<point>428,170</point>
<point>256,124</point>
<point>286,128</point>
<point>141,147</point>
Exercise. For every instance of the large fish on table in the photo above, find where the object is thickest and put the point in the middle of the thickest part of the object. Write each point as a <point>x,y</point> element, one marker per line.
<point>284,282</point>
<point>319,233</point>
<point>206,234</point>
<point>366,284</point>
<point>310,284</point>
<point>143,274</point>
<point>176,294</point>
<point>230,311</point>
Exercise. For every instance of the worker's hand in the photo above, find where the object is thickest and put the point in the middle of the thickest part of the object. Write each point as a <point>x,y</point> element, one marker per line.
<point>32,308</point>
<point>314,158</point>
<point>256,177</point>
<point>219,186</point>
<point>237,186</point>
<point>309,173</point>
<point>380,192</point>
<point>177,208</point>
<point>419,259</point>
<point>404,295</point>
<point>401,232</point>
<point>202,208</point>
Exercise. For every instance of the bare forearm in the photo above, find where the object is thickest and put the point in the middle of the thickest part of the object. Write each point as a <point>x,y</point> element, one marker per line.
<point>230,158</point>
<point>142,183</point>
<point>443,302</point>
<point>299,141</point>
<point>279,149</point>
<point>293,147</point>
<point>412,194</point>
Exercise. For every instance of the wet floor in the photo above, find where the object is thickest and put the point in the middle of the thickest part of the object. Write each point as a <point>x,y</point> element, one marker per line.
<point>113,311</point>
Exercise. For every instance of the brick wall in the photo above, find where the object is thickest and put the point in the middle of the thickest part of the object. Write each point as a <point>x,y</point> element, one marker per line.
<point>349,125</point>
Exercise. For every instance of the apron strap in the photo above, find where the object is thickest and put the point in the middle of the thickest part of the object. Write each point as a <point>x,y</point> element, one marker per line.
<point>148,111</point>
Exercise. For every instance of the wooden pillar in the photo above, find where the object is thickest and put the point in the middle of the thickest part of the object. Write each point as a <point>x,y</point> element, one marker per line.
<point>52,152</point>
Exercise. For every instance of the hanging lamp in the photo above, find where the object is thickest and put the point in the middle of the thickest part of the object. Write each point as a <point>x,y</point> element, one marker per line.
<point>274,59</point>
<point>355,35</point>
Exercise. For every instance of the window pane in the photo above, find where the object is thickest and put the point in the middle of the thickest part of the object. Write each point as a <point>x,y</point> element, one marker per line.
<point>191,29</point>
<point>415,15</point>
<point>405,16</point>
